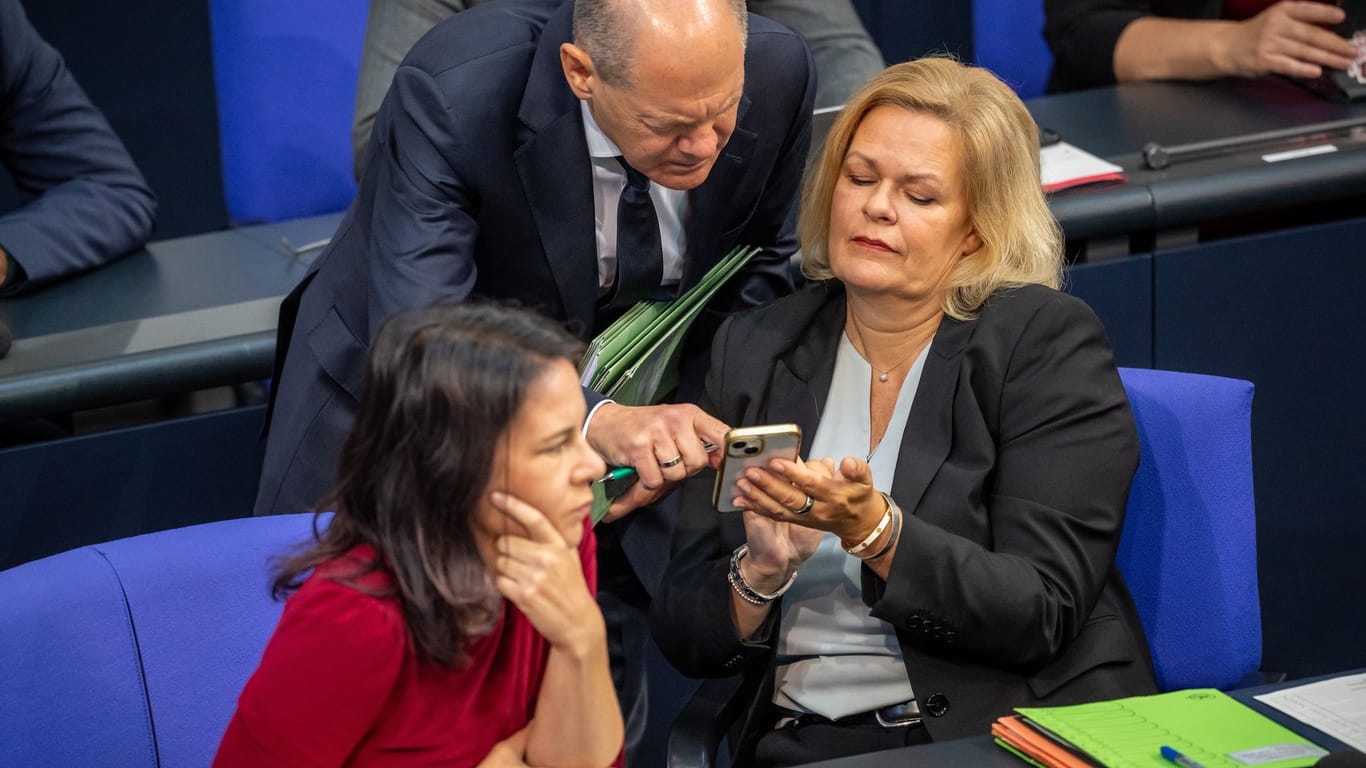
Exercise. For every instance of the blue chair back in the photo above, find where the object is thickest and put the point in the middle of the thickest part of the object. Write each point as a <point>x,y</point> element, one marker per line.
<point>1189,547</point>
<point>1008,40</point>
<point>133,653</point>
<point>285,73</point>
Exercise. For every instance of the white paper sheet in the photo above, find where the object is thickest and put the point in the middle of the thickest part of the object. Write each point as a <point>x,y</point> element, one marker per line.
<point>1337,707</point>
<point>1063,165</point>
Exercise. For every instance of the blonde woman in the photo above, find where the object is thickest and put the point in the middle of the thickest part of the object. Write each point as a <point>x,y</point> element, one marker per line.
<point>944,549</point>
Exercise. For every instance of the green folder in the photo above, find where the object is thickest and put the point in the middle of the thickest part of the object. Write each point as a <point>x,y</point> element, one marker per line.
<point>635,360</point>
<point>1204,724</point>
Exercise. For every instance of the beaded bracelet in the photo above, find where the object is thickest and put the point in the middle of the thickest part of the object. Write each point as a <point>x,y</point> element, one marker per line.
<point>881,526</point>
<point>742,588</point>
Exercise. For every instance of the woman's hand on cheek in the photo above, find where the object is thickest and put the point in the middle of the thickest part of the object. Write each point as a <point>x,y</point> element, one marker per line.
<point>543,577</point>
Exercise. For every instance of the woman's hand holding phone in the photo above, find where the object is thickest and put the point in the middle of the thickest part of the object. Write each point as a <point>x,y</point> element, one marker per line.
<point>844,502</point>
<point>776,547</point>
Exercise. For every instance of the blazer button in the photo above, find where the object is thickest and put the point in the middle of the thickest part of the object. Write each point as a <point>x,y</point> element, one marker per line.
<point>937,705</point>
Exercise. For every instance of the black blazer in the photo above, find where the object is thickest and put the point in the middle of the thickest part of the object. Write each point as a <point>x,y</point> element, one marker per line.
<point>1082,34</point>
<point>480,184</point>
<point>85,203</point>
<point>1014,474</point>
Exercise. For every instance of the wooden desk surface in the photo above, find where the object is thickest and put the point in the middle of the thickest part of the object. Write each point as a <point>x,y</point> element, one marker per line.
<point>180,315</point>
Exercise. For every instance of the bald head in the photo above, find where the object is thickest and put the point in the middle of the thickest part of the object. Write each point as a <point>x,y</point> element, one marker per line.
<point>613,31</point>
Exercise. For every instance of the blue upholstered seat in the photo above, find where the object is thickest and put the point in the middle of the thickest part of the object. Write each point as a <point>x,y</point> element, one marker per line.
<point>132,653</point>
<point>285,75</point>
<point>1008,40</point>
<point>1189,547</point>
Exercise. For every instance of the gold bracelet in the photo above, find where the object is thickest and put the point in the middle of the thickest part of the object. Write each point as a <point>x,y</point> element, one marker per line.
<point>891,538</point>
<point>881,526</point>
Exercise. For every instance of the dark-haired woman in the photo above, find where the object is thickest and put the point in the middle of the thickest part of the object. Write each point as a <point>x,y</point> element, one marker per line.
<point>446,614</point>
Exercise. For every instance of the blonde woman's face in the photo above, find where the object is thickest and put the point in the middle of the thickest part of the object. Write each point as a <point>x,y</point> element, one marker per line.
<point>899,220</point>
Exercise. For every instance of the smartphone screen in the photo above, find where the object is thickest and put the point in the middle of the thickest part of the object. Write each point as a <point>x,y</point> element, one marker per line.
<point>752,447</point>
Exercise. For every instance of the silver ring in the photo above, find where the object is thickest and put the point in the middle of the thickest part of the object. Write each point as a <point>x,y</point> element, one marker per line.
<point>675,461</point>
<point>805,507</point>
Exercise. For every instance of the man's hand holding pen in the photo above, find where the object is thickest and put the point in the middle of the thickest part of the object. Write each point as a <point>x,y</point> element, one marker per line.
<point>663,444</point>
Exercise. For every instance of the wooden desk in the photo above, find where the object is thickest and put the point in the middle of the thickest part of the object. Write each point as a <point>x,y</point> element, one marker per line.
<point>982,752</point>
<point>1115,123</point>
<point>180,315</point>
<point>185,314</point>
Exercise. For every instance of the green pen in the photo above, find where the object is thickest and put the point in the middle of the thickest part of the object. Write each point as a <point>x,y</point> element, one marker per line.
<point>616,481</point>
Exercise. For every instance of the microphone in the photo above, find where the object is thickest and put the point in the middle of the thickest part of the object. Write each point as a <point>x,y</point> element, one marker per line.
<point>5,338</point>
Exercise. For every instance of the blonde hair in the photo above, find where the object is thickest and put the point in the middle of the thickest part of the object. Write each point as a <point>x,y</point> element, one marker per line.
<point>1021,241</point>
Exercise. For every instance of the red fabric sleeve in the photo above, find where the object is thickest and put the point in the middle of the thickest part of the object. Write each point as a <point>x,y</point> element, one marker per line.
<point>323,680</point>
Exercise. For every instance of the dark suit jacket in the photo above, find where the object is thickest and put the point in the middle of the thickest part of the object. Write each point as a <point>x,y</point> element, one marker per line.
<point>480,184</point>
<point>1082,34</point>
<point>1013,475</point>
<point>85,202</point>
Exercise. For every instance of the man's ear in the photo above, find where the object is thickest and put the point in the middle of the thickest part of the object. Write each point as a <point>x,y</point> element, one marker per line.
<point>578,70</point>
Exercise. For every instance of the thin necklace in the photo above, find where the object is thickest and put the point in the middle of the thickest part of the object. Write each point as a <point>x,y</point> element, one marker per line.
<point>883,376</point>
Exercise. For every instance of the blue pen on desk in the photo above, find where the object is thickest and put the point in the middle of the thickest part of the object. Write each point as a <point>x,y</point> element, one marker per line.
<point>1179,759</point>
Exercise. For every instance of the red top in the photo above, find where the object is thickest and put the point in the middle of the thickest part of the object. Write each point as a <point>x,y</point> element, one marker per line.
<point>340,683</point>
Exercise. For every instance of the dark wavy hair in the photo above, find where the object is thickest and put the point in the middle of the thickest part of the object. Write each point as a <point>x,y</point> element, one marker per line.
<point>442,387</point>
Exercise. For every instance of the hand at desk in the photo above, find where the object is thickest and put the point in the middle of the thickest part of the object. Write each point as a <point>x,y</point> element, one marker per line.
<point>1287,38</point>
<point>664,443</point>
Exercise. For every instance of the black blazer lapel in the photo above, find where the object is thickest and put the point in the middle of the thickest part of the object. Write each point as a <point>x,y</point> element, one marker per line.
<point>801,377</point>
<point>929,427</point>
<point>557,176</point>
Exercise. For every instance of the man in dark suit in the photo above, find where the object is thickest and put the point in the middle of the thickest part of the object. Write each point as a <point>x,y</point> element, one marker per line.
<point>86,202</point>
<point>496,164</point>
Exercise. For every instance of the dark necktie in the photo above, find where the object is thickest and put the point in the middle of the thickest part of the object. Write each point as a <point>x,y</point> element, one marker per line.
<point>640,258</point>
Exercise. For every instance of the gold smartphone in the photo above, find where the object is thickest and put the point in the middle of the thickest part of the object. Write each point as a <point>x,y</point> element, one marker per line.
<point>746,447</point>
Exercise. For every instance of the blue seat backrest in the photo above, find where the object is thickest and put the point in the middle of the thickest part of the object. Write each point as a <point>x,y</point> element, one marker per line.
<point>285,74</point>
<point>70,685</point>
<point>199,598</point>
<point>1008,40</point>
<point>135,651</point>
<point>1189,550</point>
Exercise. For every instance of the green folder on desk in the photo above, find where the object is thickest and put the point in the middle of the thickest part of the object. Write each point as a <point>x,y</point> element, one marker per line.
<point>634,361</point>
<point>1203,724</point>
